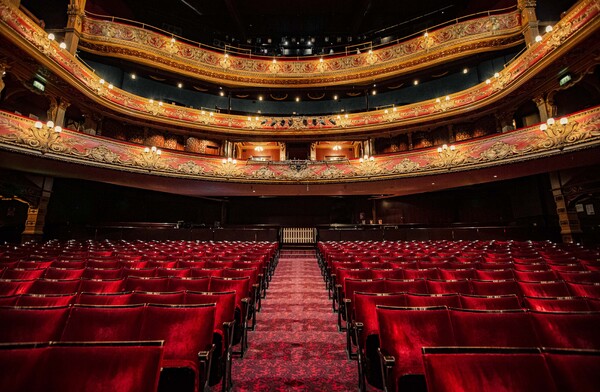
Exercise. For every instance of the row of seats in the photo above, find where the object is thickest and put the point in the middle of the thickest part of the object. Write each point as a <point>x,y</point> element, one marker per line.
<point>187,330</point>
<point>452,369</point>
<point>81,366</point>
<point>403,332</point>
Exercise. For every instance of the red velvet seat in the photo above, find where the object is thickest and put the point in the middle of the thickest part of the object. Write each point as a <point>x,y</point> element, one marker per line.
<point>535,276</point>
<point>223,330</point>
<point>495,266</point>
<point>32,324</point>
<point>347,292</point>
<point>448,286</point>
<point>101,285</point>
<point>173,272</point>
<point>366,329</point>
<point>491,302</point>
<point>580,276</point>
<point>134,283</point>
<point>495,287</point>
<point>103,263</point>
<point>531,267</point>
<point>561,304</point>
<point>204,272</point>
<point>89,366</point>
<point>574,370</point>
<point>193,284</point>
<point>219,264</point>
<point>403,332</point>
<point>494,274</point>
<point>456,274</point>
<point>9,300</point>
<point>567,267</point>
<point>498,370</point>
<point>389,273</point>
<point>188,334</point>
<point>138,272</point>
<point>23,273</point>
<point>416,286</point>
<point>63,273</point>
<point>120,298</point>
<point>166,298</point>
<point>544,289</point>
<point>68,264</point>
<point>103,273</point>
<point>15,287</point>
<point>568,329</point>
<point>424,300</point>
<point>241,286</point>
<point>429,273</point>
<point>46,299</point>
<point>191,264</point>
<point>493,328</point>
<point>20,364</point>
<point>161,264</point>
<point>54,286</point>
<point>104,323</point>
<point>590,290</point>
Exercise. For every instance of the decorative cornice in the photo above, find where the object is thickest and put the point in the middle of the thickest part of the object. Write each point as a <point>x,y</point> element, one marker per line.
<point>137,44</point>
<point>575,132</point>
<point>577,25</point>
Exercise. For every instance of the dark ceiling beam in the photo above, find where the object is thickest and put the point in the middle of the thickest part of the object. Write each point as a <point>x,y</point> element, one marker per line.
<point>363,10</point>
<point>235,15</point>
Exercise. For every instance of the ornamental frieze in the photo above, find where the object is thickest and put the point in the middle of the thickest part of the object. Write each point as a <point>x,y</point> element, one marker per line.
<point>570,133</point>
<point>123,40</point>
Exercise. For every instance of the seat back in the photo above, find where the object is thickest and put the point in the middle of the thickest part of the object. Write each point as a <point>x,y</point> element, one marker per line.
<point>54,286</point>
<point>423,300</point>
<point>415,286</point>
<point>46,299</point>
<point>568,329</point>
<point>499,370</point>
<point>103,323</point>
<point>192,284</point>
<point>495,287</point>
<point>493,328</point>
<point>448,286</point>
<point>490,302</point>
<point>561,304</point>
<point>365,309</point>
<point>166,298</point>
<point>19,362</point>
<point>574,370</point>
<point>32,324</point>
<point>102,286</point>
<point>135,283</point>
<point>544,289</point>
<point>122,298</point>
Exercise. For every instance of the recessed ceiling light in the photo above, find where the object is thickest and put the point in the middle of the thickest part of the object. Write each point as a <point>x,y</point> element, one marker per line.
<point>466,70</point>
<point>416,82</point>
<point>297,99</point>
<point>133,76</point>
<point>221,93</point>
<point>335,97</point>
<point>260,98</point>
<point>180,85</point>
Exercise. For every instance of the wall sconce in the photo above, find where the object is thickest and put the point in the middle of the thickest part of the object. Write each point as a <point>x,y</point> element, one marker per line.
<point>449,156</point>
<point>559,133</point>
<point>445,147</point>
<point>337,147</point>
<point>229,161</point>
<point>259,149</point>
<point>366,158</point>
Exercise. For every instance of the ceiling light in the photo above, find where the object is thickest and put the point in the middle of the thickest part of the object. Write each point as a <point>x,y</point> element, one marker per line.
<point>133,76</point>
<point>180,85</point>
<point>416,82</point>
<point>465,70</point>
<point>487,81</point>
<point>297,99</point>
<point>496,75</point>
<point>221,93</point>
<point>374,92</point>
<point>274,61</point>
<point>260,97</point>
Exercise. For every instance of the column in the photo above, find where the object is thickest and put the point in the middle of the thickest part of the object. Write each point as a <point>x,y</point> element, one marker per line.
<point>529,20</point>
<point>568,220</point>
<point>545,105</point>
<point>282,151</point>
<point>504,121</point>
<point>36,215</point>
<point>451,138</point>
<point>410,142</point>
<point>75,14</point>
<point>313,151</point>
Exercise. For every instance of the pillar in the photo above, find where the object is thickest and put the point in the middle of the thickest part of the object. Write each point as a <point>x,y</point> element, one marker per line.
<point>282,151</point>
<point>75,14</point>
<point>410,141</point>
<point>3,68</point>
<point>504,121</point>
<point>568,220</point>
<point>313,151</point>
<point>546,107</point>
<point>36,215</point>
<point>451,138</point>
<point>529,20</point>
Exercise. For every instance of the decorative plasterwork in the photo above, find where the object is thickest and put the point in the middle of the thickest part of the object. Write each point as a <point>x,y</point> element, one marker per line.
<point>578,131</point>
<point>467,37</point>
<point>578,24</point>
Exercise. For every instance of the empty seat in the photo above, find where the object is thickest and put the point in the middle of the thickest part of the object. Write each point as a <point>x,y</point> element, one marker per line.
<point>495,287</point>
<point>448,286</point>
<point>568,329</point>
<point>134,283</point>
<point>20,364</point>
<point>102,286</point>
<point>387,273</point>
<point>428,273</point>
<point>403,332</point>
<point>104,323</point>
<point>143,297</point>
<point>591,290</point>
<point>204,272</point>
<point>494,274</point>
<point>46,299</point>
<point>493,328</point>
<point>544,289</point>
<point>54,286</point>
<point>23,273</point>
<point>193,284</point>
<point>456,274</point>
<point>423,300</point>
<point>32,324</point>
<point>490,302</point>
<point>102,273</point>
<point>120,298</point>
<point>115,366</point>
<point>574,370</point>
<point>580,276</point>
<point>499,370</point>
<point>188,334</point>
<point>417,286</point>
<point>15,287</point>
<point>63,273</point>
<point>171,272</point>
<point>561,304</point>
<point>535,276</point>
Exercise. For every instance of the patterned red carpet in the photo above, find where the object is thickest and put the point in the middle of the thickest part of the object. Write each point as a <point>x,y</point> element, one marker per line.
<point>296,346</point>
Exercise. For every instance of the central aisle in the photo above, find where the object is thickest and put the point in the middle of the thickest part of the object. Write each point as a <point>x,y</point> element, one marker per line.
<point>296,346</point>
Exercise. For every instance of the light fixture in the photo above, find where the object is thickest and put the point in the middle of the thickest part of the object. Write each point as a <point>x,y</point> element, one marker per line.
<point>274,61</point>
<point>321,60</point>
<point>226,55</point>
<point>496,75</point>
<point>260,97</point>
<point>447,97</point>
<point>445,147</point>
<point>173,40</point>
<point>62,45</point>
<point>259,148</point>
<point>487,81</point>
<point>538,38</point>
<point>297,99</point>
<point>180,85</point>
<point>133,76</point>
<point>151,100</point>
<point>160,103</point>
<point>426,34</point>
<point>102,81</point>
<point>366,158</point>
<point>221,93</point>
<point>51,37</point>
<point>337,147</point>
<point>548,29</point>
<point>335,97</point>
<point>374,92</point>
<point>110,86</point>
<point>370,51</point>
<point>416,82</point>
<point>229,161</point>
<point>465,70</point>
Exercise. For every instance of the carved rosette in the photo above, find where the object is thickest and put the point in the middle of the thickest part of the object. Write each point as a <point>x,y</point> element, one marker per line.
<point>190,167</point>
<point>101,154</point>
<point>263,173</point>
<point>449,159</point>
